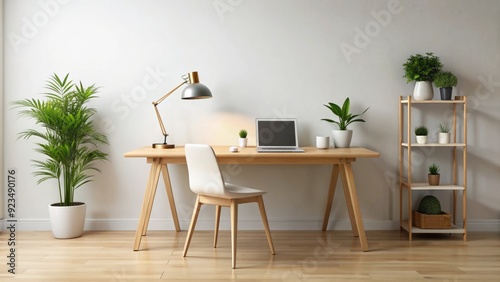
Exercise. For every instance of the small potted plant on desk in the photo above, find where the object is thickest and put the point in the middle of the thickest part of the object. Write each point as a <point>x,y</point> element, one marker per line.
<point>445,80</point>
<point>243,138</point>
<point>342,137</point>
<point>421,134</point>
<point>69,143</point>
<point>422,69</point>
<point>433,174</point>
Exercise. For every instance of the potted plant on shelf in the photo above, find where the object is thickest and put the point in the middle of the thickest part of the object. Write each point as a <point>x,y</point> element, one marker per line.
<point>243,138</point>
<point>429,214</point>
<point>421,133</point>
<point>422,69</point>
<point>69,143</point>
<point>444,133</point>
<point>342,137</point>
<point>433,175</point>
<point>445,80</point>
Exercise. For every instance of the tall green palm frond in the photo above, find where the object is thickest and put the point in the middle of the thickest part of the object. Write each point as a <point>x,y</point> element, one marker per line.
<point>69,140</point>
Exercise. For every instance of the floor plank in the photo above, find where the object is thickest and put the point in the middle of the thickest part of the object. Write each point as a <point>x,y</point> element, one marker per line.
<point>300,256</point>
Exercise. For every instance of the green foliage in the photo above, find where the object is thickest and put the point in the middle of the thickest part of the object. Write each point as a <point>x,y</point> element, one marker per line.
<point>243,133</point>
<point>343,114</point>
<point>429,205</point>
<point>444,128</point>
<point>421,130</point>
<point>445,79</point>
<point>433,169</point>
<point>69,138</point>
<point>422,67</point>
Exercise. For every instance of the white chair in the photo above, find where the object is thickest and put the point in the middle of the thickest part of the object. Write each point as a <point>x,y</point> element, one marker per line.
<point>205,179</point>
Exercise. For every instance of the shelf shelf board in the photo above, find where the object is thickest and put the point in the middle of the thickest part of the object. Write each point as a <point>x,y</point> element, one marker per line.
<point>457,101</point>
<point>434,145</point>
<point>426,186</point>
<point>454,229</point>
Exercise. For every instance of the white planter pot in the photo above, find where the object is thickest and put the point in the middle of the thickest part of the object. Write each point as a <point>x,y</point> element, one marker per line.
<point>243,142</point>
<point>423,91</point>
<point>342,138</point>
<point>444,138</point>
<point>421,139</point>
<point>67,221</point>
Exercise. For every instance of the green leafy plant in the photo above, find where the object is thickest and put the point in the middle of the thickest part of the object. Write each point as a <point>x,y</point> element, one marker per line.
<point>421,130</point>
<point>422,67</point>
<point>344,116</point>
<point>444,128</point>
<point>68,134</point>
<point>433,169</point>
<point>445,79</point>
<point>243,133</point>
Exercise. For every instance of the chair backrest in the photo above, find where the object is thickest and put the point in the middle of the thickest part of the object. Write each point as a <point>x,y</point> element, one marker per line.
<point>205,177</point>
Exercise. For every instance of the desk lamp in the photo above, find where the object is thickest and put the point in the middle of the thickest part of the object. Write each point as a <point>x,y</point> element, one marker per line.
<point>194,90</point>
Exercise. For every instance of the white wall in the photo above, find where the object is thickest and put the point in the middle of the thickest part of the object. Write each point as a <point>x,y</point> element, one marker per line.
<point>1,107</point>
<point>260,59</point>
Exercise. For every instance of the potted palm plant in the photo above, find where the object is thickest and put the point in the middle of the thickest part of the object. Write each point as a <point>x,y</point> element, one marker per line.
<point>445,80</point>
<point>342,137</point>
<point>422,69</point>
<point>69,142</point>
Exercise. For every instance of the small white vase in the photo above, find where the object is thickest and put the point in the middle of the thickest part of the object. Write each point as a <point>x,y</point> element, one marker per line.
<point>67,221</point>
<point>342,138</point>
<point>444,138</point>
<point>423,91</point>
<point>421,139</point>
<point>243,142</point>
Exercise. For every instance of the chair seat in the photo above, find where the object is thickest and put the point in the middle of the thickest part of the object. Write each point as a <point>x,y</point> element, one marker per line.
<point>235,191</point>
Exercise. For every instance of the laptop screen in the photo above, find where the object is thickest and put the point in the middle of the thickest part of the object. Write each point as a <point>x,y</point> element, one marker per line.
<point>276,132</point>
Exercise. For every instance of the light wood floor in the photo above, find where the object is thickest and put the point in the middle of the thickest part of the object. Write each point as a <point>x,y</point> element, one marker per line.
<point>300,256</point>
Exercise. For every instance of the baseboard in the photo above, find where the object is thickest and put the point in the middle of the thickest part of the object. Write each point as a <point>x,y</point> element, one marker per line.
<point>160,224</point>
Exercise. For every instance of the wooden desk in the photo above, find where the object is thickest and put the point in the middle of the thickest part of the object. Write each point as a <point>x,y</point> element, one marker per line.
<point>340,158</point>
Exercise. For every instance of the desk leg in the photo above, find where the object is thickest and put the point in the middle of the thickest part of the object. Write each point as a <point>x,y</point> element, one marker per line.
<point>331,192</point>
<point>348,201</point>
<point>353,205</point>
<point>147,203</point>
<point>170,195</point>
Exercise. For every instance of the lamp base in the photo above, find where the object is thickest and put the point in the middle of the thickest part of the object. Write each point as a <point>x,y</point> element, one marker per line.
<point>163,146</point>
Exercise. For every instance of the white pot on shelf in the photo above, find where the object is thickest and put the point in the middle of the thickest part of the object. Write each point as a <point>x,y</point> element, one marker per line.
<point>423,91</point>
<point>444,138</point>
<point>342,138</point>
<point>421,139</point>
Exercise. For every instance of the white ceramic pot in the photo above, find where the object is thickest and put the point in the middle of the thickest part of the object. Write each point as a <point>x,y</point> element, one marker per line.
<point>342,138</point>
<point>243,142</point>
<point>444,138</point>
<point>423,91</point>
<point>67,221</point>
<point>421,139</point>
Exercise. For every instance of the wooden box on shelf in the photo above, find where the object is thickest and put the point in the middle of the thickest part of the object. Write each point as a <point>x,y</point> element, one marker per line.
<point>431,221</point>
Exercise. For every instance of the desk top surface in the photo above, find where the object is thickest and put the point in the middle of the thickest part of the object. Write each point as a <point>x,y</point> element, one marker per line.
<point>249,155</point>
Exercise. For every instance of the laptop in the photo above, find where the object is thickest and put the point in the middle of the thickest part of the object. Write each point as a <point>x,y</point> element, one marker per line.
<point>277,135</point>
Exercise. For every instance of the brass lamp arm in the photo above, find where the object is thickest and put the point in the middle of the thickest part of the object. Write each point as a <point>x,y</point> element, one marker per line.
<point>156,103</point>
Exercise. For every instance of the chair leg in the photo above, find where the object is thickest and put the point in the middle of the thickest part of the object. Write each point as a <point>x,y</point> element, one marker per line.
<point>262,209</point>
<point>217,221</point>
<point>234,228</point>
<point>196,211</point>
